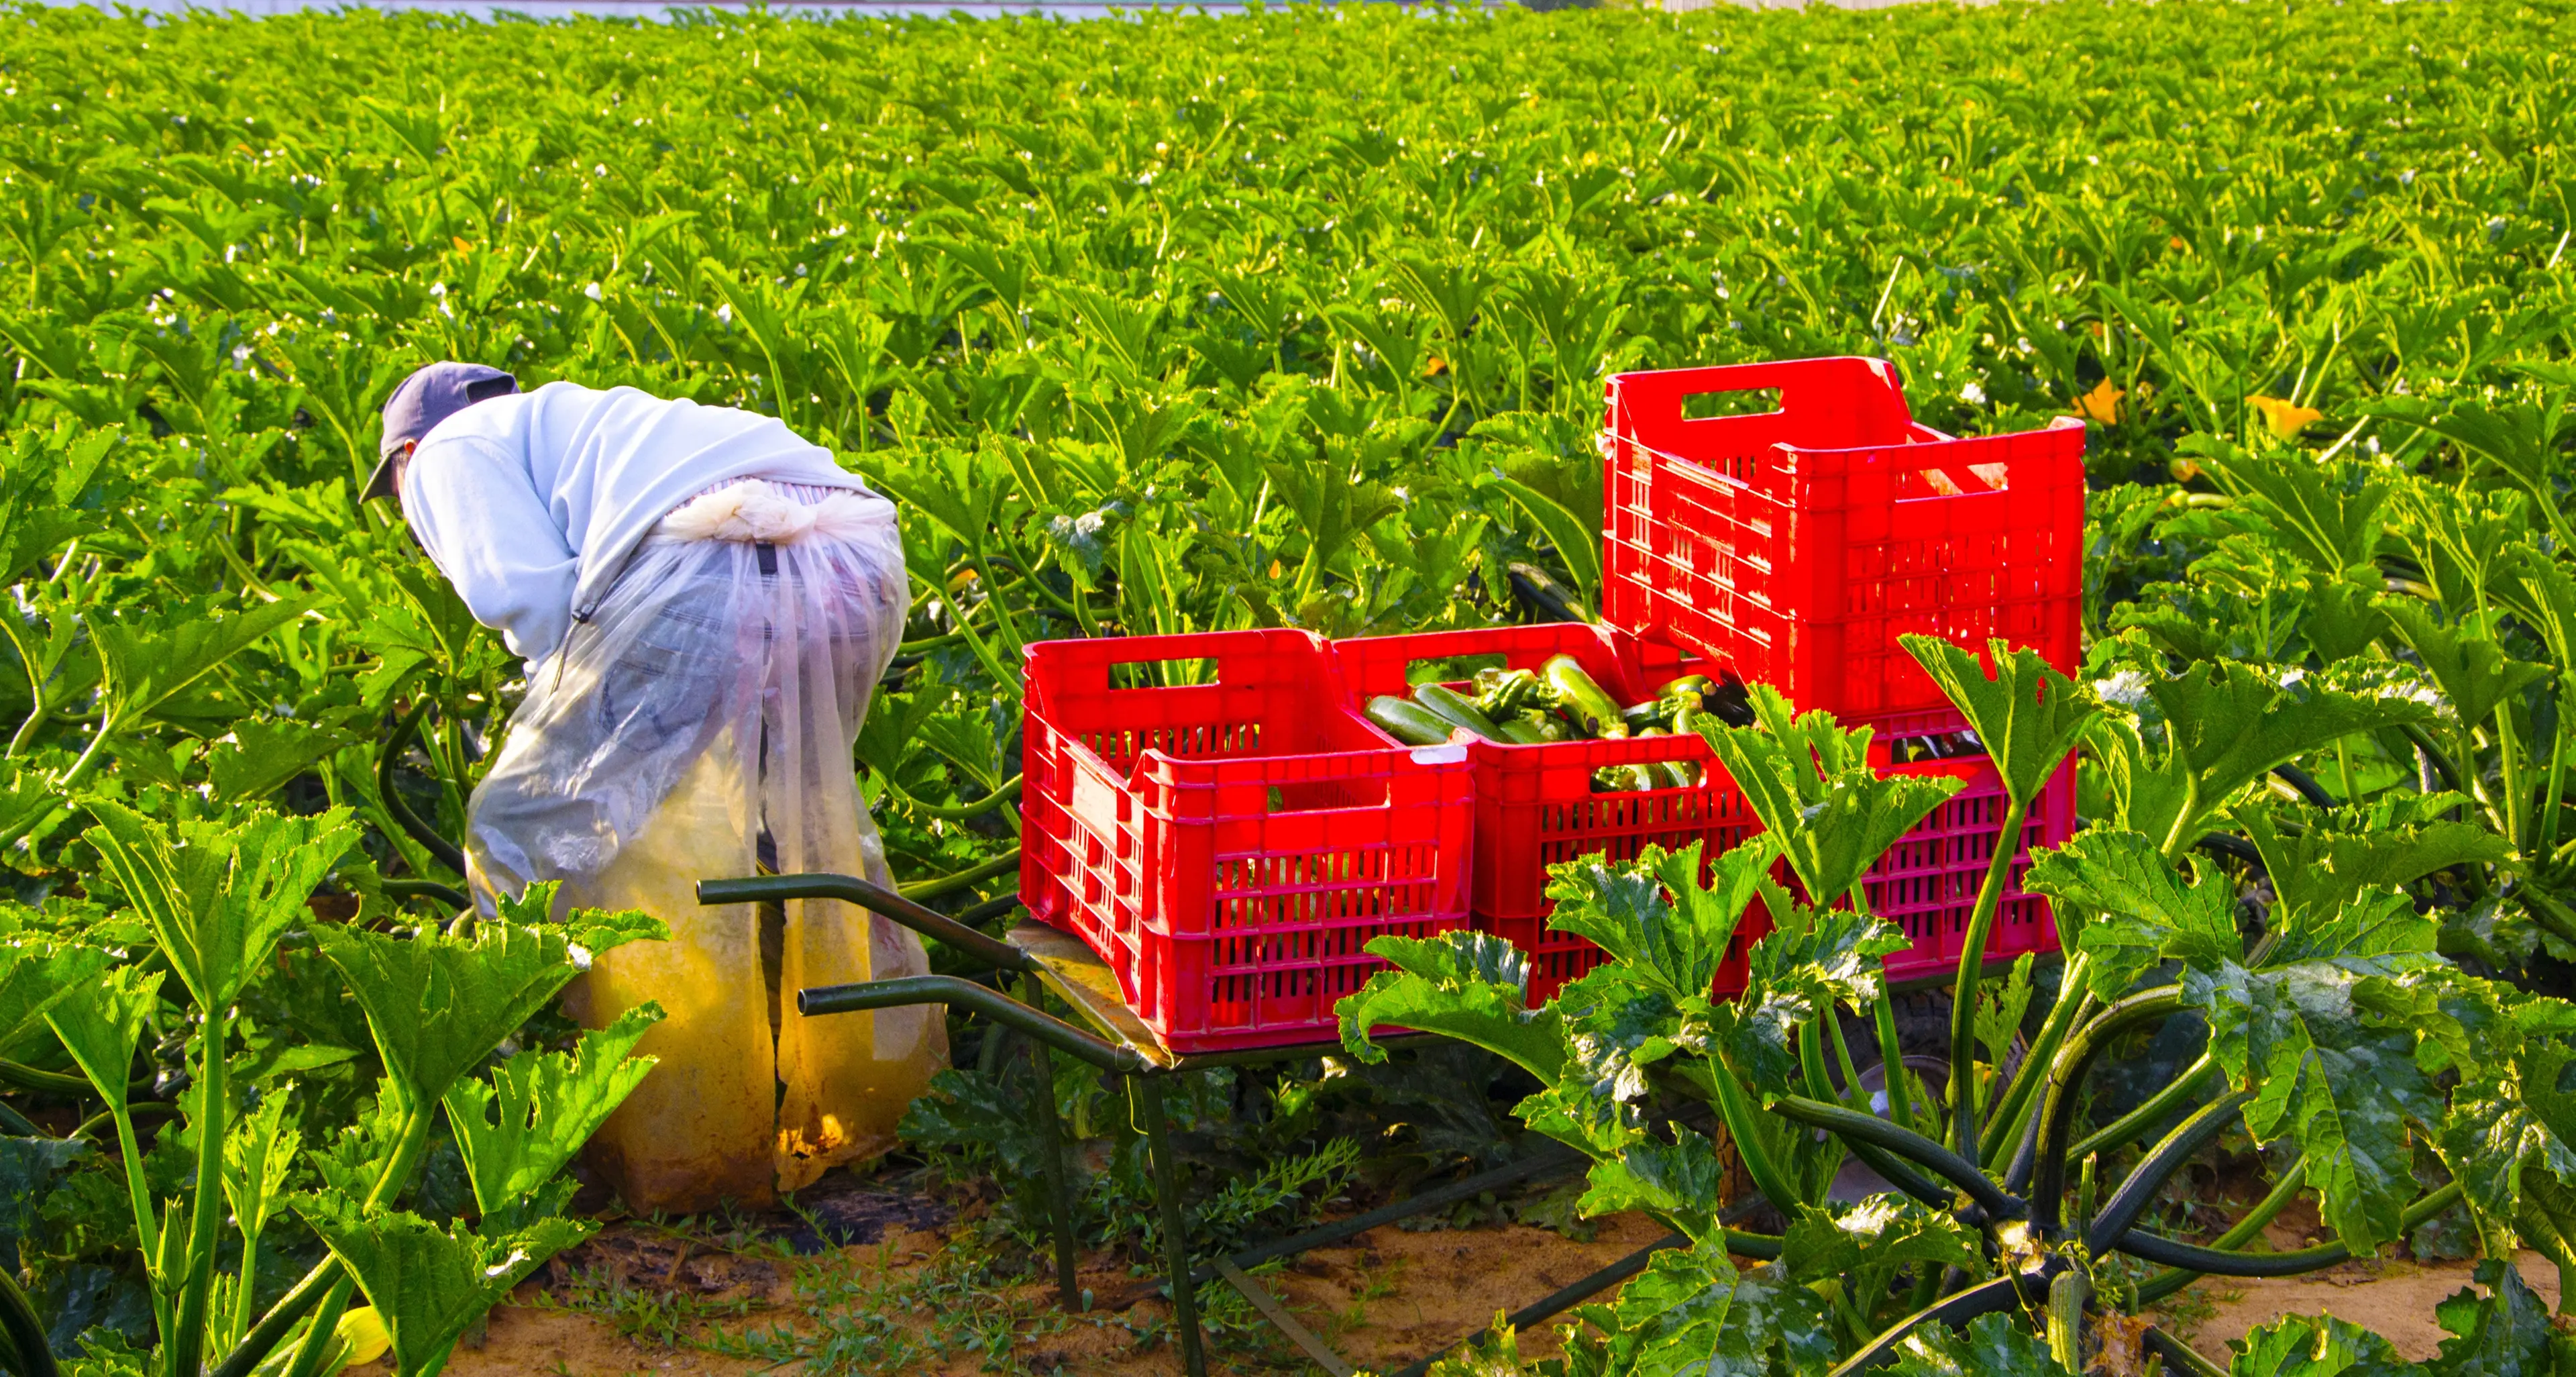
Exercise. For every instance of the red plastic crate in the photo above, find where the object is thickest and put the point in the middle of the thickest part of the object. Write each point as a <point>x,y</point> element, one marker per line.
<point>1230,847</point>
<point>1796,545</point>
<point>1535,807</point>
<point>1926,884</point>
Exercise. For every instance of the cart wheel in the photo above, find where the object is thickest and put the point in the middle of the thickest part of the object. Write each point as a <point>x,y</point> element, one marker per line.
<point>1922,1036</point>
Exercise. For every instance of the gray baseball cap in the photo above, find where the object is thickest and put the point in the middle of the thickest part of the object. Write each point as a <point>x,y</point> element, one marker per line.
<point>430,395</point>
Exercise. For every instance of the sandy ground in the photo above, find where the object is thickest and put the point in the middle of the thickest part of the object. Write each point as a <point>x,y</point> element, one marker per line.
<point>2393,1298</point>
<point>1382,1300</point>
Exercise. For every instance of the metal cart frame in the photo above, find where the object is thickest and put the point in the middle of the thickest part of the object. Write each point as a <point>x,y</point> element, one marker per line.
<point>1119,1043</point>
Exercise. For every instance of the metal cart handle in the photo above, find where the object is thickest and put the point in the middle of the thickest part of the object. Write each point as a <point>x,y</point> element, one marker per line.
<point>938,927</point>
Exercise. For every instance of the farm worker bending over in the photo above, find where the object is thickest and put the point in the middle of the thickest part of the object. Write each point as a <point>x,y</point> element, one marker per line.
<point>704,601</point>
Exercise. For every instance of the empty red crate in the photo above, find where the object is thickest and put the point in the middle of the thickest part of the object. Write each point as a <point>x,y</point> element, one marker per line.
<point>1230,846</point>
<point>1797,544</point>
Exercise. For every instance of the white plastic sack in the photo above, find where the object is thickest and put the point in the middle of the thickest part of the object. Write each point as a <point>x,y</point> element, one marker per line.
<point>703,701</point>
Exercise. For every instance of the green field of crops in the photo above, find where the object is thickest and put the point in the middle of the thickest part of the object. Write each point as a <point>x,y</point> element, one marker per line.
<point>1300,317</point>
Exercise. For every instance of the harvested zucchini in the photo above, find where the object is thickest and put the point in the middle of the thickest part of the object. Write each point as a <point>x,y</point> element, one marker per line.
<point>1582,699</point>
<point>1408,721</point>
<point>1521,731</point>
<point>1457,709</point>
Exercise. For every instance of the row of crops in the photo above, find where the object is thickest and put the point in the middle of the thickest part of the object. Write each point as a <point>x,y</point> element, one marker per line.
<point>1299,318</point>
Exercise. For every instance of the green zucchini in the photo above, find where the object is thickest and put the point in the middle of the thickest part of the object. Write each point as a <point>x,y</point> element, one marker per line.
<point>1503,692</point>
<point>1520,731</point>
<point>1696,685</point>
<point>1549,726</point>
<point>1408,721</point>
<point>1457,708</point>
<point>1582,699</point>
<point>1654,712</point>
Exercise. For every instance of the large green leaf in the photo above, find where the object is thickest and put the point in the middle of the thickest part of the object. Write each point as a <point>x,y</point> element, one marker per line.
<point>2464,658</point>
<point>1472,986</point>
<point>100,1019</point>
<point>548,1106</point>
<point>437,1004</point>
<point>2319,863</point>
<point>36,976</point>
<point>2225,725</point>
<point>149,661</point>
<point>2319,1346</point>
<point>1577,544</point>
<point>2326,515</point>
<point>2141,909</point>
<point>219,896</point>
<point>1864,1248</point>
<point>1682,1181</point>
<point>429,1283</point>
<point>2027,714</point>
<point>1991,1346</point>
<point>1692,1312</point>
<point>1656,916</point>
<point>2504,1333</point>
<point>1831,957</point>
<point>1810,781</point>
<point>2328,1076</point>
<point>262,755</point>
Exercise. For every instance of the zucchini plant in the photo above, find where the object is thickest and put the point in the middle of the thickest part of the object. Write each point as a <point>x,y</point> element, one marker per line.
<point>2016,1231</point>
<point>204,912</point>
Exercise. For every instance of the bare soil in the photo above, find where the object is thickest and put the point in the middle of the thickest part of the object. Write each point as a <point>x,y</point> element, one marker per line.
<point>1381,1301</point>
<point>2392,1298</point>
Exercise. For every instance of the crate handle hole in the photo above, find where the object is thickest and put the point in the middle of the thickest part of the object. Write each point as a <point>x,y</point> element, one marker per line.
<point>1739,401</point>
<point>1153,672</point>
<point>1451,669</point>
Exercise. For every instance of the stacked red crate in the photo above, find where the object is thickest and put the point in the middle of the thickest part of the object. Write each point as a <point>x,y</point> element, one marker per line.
<point>1211,819</point>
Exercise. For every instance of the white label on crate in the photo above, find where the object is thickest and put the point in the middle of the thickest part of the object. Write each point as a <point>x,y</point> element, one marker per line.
<point>1439,755</point>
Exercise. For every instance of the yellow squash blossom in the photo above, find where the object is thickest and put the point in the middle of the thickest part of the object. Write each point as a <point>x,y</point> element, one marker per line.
<point>2101,404</point>
<point>2287,419</point>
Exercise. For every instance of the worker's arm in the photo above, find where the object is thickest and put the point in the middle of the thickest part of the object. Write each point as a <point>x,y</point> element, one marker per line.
<point>476,512</point>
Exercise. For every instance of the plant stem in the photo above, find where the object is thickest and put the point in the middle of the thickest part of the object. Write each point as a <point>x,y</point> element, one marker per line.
<point>2168,1157</point>
<point>2179,1357</point>
<point>2128,1126</point>
<point>1964,1121</point>
<point>2508,776</point>
<point>2191,1260</point>
<point>2166,1282</point>
<point>2074,1001</point>
<point>326,1324</point>
<point>183,1352</point>
<point>328,1276</point>
<point>2066,1080</point>
<point>950,884</point>
<point>24,1330</point>
<point>2186,822</point>
<point>243,1294</point>
<point>955,812</point>
<point>1842,1058</point>
<point>1735,1110</point>
<point>1891,1063</point>
<point>2002,1293</point>
<point>2551,804</point>
<point>1854,1126</point>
